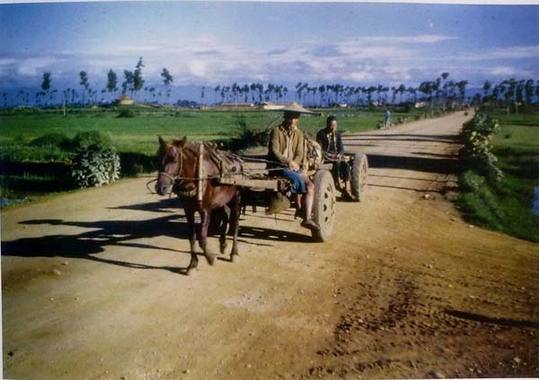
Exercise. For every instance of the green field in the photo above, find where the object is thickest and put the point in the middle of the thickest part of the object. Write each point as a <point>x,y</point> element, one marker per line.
<point>139,134</point>
<point>135,138</point>
<point>506,205</point>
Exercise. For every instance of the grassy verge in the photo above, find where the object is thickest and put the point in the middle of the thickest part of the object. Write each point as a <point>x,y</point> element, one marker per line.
<point>505,204</point>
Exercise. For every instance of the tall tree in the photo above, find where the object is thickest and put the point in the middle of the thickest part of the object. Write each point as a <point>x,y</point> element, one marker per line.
<point>112,82</point>
<point>445,86</point>
<point>528,89</point>
<point>84,83</point>
<point>461,85</point>
<point>46,83</point>
<point>401,90</point>
<point>425,88</point>
<point>167,80</point>
<point>138,82</point>
<point>486,88</point>
<point>127,84</point>
<point>413,91</point>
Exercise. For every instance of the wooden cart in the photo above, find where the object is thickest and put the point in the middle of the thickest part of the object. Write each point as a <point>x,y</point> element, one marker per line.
<point>259,189</point>
<point>359,166</point>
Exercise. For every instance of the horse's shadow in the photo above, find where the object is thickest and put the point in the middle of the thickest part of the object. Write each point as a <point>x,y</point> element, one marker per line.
<point>88,245</point>
<point>125,233</point>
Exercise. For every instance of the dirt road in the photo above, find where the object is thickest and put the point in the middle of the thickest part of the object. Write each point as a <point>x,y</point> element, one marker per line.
<point>92,289</point>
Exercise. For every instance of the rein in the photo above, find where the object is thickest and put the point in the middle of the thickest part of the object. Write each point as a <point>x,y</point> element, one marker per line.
<point>177,178</point>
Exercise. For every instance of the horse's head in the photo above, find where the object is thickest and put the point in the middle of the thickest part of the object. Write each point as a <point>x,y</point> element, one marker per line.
<point>175,164</point>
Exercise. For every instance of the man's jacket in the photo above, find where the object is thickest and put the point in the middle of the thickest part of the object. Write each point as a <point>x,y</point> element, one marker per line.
<point>278,143</point>
<point>331,142</point>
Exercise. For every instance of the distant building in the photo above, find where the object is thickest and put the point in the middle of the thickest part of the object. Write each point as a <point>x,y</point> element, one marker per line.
<point>237,105</point>
<point>420,105</point>
<point>269,106</point>
<point>188,104</point>
<point>234,106</point>
<point>124,100</point>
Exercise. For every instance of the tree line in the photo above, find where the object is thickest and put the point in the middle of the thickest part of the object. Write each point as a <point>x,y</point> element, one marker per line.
<point>443,90</point>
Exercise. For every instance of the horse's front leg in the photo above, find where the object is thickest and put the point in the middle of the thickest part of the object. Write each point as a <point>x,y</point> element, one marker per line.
<point>235,224</point>
<point>203,239</point>
<point>223,227</point>
<point>190,216</point>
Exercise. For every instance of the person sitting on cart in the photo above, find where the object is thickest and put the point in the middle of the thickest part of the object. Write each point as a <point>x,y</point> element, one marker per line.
<point>286,150</point>
<point>331,142</point>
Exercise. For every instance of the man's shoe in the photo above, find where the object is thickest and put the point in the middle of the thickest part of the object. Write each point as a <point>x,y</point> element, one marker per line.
<point>349,196</point>
<point>310,224</point>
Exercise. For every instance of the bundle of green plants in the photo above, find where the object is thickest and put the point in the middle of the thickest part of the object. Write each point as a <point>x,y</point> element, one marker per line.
<point>245,136</point>
<point>134,163</point>
<point>83,140</point>
<point>127,113</point>
<point>95,166</point>
<point>476,152</point>
<point>51,139</point>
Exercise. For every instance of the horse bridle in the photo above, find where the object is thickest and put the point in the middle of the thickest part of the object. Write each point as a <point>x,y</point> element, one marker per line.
<point>178,178</point>
<point>173,178</point>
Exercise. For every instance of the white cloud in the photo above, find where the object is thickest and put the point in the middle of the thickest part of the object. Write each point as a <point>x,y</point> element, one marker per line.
<point>502,71</point>
<point>197,68</point>
<point>510,71</point>
<point>513,52</point>
<point>412,39</point>
<point>491,54</point>
<point>206,60</point>
<point>35,65</point>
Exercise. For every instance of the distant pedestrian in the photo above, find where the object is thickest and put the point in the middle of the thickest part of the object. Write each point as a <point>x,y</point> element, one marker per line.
<point>387,119</point>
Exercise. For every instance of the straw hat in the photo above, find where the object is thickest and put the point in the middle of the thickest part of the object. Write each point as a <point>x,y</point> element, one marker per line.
<point>296,108</point>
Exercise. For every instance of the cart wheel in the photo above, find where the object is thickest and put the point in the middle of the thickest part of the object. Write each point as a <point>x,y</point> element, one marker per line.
<point>360,168</point>
<point>324,205</point>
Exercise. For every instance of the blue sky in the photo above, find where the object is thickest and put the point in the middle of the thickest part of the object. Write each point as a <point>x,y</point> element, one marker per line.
<point>204,43</point>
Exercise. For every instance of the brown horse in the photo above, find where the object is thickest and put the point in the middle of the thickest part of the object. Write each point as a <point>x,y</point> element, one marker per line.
<point>191,170</point>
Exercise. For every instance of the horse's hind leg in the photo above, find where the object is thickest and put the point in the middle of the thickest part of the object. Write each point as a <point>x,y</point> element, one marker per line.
<point>203,239</point>
<point>235,225</point>
<point>190,215</point>
<point>223,227</point>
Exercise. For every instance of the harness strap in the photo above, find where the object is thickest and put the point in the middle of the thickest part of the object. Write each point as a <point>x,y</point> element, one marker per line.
<point>200,170</point>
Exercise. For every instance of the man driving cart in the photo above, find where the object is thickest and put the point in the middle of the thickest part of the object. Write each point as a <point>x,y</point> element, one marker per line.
<point>286,150</point>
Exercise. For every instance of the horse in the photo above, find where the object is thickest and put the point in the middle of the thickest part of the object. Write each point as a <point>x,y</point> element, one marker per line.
<point>191,170</point>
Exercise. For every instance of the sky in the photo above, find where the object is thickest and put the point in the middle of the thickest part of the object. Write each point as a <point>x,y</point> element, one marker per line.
<point>205,43</point>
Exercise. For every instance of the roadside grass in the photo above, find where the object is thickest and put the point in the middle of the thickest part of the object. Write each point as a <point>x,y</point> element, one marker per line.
<point>506,205</point>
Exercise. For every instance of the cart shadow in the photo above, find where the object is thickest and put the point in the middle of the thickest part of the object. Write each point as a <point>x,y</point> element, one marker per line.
<point>421,164</point>
<point>163,205</point>
<point>491,320</point>
<point>450,139</point>
<point>269,234</point>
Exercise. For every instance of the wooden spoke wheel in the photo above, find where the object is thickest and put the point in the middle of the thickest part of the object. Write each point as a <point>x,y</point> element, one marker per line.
<point>324,209</point>
<point>358,182</point>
